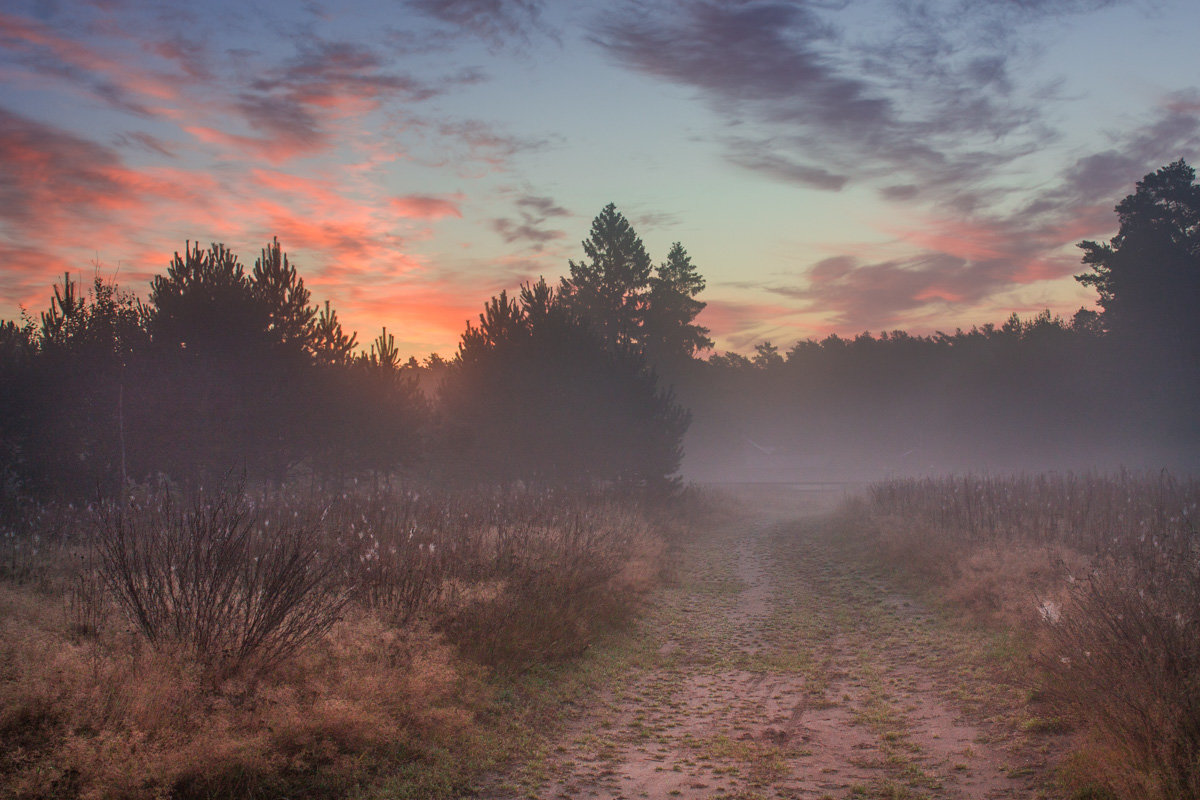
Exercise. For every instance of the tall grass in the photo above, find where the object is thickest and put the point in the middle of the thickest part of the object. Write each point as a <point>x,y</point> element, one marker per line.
<point>1147,516</point>
<point>231,643</point>
<point>1118,627</point>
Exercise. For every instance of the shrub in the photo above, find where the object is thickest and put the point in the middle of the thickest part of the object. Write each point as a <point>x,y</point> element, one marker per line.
<point>555,583</point>
<point>235,586</point>
<point>237,681</point>
<point>1125,657</point>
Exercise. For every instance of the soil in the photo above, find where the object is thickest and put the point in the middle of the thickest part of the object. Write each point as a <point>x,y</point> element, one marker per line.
<point>777,666</point>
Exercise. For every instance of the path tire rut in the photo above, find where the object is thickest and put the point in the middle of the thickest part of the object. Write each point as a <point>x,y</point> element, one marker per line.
<point>772,668</point>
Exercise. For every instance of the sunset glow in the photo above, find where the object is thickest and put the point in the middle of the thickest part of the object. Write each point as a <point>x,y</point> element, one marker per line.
<point>870,166</point>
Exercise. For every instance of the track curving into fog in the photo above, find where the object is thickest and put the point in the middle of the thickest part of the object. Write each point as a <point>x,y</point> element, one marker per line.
<point>773,669</point>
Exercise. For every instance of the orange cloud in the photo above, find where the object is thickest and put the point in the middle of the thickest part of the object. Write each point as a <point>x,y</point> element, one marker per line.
<point>275,150</point>
<point>937,293</point>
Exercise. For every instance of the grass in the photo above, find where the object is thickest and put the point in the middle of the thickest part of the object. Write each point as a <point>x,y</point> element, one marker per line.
<point>421,639</point>
<point>1096,579</point>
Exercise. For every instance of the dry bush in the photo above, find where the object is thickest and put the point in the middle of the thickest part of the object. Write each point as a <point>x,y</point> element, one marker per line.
<point>391,541</point>
<point>1017,585</point>
<point>511,576</point>
<point>237,587</point>
<point>1124,657</point>
<point>574,573</point>
<point>107,718</point>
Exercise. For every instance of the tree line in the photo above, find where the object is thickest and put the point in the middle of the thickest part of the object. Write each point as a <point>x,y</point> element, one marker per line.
<point>225,368</point>
<point>1106,388</point>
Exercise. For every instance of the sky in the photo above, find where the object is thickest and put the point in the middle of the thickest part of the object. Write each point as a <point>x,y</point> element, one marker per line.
<point>832,166</point>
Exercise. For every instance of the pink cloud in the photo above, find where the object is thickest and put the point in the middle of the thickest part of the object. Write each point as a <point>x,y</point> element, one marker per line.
<point>109,78</point>
<point>738,325</point>
<point>276,151</point>
<point>423,206</point>
<point>971,240</point>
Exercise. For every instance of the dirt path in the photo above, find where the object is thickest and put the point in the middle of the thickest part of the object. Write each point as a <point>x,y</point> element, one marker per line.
<point>773,670</point>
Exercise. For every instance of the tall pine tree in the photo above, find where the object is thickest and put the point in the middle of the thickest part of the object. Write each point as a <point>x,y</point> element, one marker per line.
<point>671,334</point>
<point>610,289</point>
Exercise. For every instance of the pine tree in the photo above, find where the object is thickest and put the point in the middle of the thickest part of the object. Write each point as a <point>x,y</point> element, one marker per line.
<point>330,343</point>
<point>536,395</point>
<point>609,290</point>
<point>1148,275</point>
<point>281,291</point>
<point>671,333</point>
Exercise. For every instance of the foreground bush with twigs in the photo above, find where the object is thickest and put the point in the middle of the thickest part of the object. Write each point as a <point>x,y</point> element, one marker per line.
<point>1104,574</point>
<point>232,643</point>
<point>217,578</point>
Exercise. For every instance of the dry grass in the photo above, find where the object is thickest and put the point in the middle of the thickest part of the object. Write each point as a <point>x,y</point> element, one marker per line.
<point>438,596</point>
<point>1101,575</point>
<point>114,719</point>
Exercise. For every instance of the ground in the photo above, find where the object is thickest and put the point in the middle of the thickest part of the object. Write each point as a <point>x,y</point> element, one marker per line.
<point>776,665</point>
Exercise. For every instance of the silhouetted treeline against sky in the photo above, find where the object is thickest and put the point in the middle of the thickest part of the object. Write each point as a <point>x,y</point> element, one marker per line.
<point>1118,387</point>
<point>1032,394</point>
<point>227,369</point>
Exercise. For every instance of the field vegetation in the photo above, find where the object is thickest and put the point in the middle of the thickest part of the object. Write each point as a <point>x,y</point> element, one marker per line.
<point>237,643</point>
<point>1098,577</point>
<point>410,561</point>
<point>386,600</point>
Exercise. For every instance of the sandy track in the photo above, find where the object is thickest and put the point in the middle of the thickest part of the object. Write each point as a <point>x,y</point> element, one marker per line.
<point>773,670</point>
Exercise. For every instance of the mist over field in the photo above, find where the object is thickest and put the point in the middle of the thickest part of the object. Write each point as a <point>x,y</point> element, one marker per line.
<point>801,425</point>
<point>265,559</point>
<point>657,398</point>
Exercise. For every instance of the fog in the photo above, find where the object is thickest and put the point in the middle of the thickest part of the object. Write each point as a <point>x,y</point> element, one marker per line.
<point>1026,400</point>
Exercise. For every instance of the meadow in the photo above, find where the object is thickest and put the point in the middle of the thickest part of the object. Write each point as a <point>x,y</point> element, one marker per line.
<point>240,642</point>
<point>389,641</point>
<point>1098,579</point>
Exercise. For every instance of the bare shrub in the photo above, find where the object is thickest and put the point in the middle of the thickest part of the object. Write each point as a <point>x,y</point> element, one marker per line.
<point>1124,657</point>
<point>400,546</point>
<point>511,576</point>
<point>234,586</point>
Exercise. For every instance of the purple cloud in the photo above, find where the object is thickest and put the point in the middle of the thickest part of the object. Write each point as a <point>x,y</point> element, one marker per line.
<point>533,212</point>
<point>967,255</point>
<point>755,156</point>
<point>484,142</point>
<point>541,207</point>
<point>493,20</point>
<point>815,102</point>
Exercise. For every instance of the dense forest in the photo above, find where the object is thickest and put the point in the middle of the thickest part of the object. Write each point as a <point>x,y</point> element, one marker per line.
<point>595,378</point>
